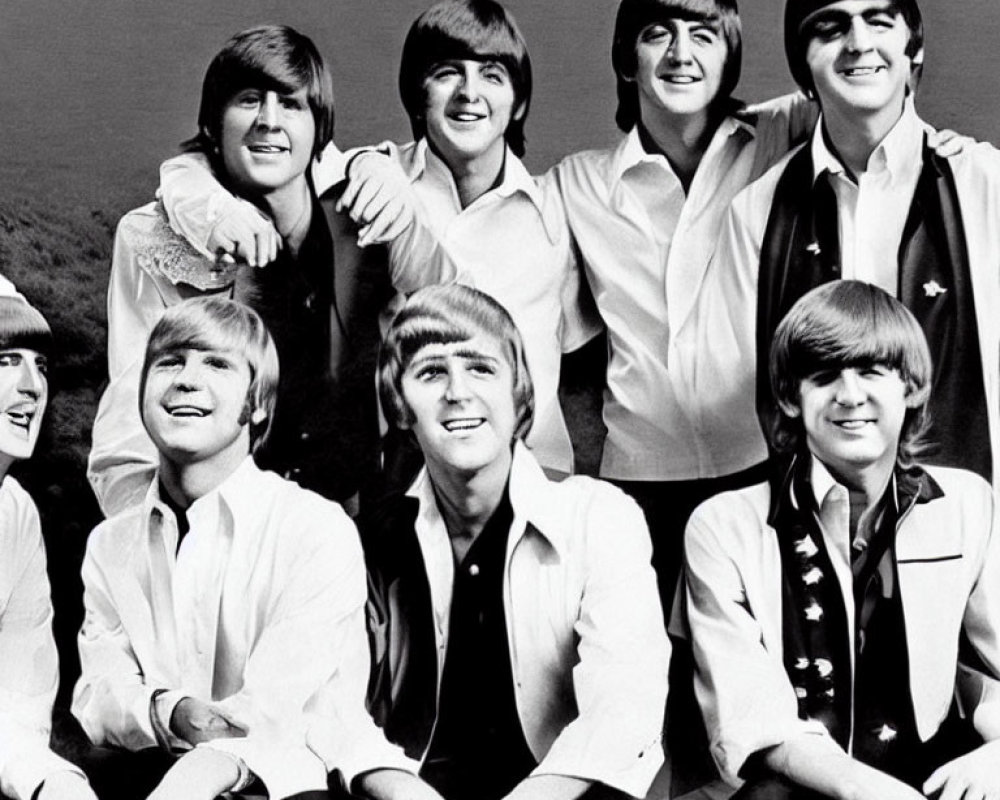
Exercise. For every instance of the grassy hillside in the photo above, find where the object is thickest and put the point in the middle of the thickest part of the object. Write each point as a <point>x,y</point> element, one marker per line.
<point>58,256</point>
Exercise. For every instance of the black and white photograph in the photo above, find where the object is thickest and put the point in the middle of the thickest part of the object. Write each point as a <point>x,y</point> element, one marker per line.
<point>499,400</point>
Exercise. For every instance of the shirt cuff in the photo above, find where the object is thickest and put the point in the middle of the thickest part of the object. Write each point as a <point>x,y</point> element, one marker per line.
<point>731,753</point>
<point>161,710</point>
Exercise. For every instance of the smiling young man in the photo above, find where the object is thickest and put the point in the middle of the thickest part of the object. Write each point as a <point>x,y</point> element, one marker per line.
<point>29,675</point>
<point>866,198</point>
<point>228,606</point>
<point>646,215</point>
<point>519,642</point>
<point>837,612</point>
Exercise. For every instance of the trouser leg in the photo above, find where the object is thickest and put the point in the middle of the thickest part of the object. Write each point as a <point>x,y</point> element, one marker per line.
<point>124,775</point>
<point>774,787</point>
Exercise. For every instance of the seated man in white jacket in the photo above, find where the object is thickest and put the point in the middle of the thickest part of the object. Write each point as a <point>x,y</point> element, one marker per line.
<point>228,607</point>
<point>520,642</point>
<point>827,607</point>
<point>29,671</point>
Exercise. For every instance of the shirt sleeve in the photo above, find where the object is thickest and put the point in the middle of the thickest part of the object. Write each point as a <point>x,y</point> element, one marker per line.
<point>122,460</point>
<point>29,670</point>
<point>418,258</point>
<point>781,124</point>
<point>620,679</point>
<point>111,699</point>
<point>194,199</point>
<point>979,683</point>
<point>309,669</point>
<point>580,321</point>
<point>746,699</point>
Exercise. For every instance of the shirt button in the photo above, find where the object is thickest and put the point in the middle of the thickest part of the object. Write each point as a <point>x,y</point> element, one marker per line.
<point>474,570</point>
<point>304,436</point>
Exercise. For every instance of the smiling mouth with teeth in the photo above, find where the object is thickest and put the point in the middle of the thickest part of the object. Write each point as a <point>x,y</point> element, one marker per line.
<point>680,79</point>
<point>462,424</point>
<point>266,148</point>
<point>857,72</point>
<point>186,411</point>
<point>21,417</point>
<point>852,424</point>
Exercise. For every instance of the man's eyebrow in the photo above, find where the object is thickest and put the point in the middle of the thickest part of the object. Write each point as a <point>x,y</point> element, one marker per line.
<point>840,15</point>
<point>477,355</point>
<point>890,9</point>
<point>690,15</point>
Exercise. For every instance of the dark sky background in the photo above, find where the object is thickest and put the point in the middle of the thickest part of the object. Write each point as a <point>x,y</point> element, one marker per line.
<point>95,93</point>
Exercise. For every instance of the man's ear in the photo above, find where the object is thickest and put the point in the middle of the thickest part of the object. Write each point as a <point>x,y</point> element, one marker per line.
<point>916,72</point>
<point>915,397</point>
<point>257,416</point>
<point>519,112</point>
<point>789,409</point>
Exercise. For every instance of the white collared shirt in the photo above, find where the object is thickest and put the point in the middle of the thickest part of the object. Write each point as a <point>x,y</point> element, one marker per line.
<point>513,244</point>
<point>646,246</point>
<point>588,651</point>
<point>872,212</point>
<point>834,504</point>
<point>260,612</point>
<point>29,667</point>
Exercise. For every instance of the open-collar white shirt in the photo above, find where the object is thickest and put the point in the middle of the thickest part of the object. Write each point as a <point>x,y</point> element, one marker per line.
<point>259,611</point>
<point>29,667</point>
<point>513,244</point>
<point>588,650</point>
<point>646,245</point>
<point>872,207</point>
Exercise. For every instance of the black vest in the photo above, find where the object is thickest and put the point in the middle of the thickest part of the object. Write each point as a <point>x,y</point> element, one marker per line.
<point>322,308</point>
<point>801,250</point>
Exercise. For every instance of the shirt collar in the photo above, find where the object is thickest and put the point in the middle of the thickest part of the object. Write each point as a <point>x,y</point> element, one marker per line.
<point>516,178</point>
<point>822,482</point>
<point>899,152</point>
<point>235,493</point>
<point>631,153</point>
<point>530,498</point>
<point>913,485</point>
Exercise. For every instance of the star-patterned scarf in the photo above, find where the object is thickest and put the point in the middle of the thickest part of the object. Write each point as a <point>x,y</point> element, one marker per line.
<point>814,618</point>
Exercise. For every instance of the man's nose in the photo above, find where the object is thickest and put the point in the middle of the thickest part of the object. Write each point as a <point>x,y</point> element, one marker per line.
<point>859,37</point>
<point>680,47</point>
<point>189,376</point>
<point>469,87</point>
<point>850,392</point>
<point>267,116</point>
<point>458,386</point>
<point>31,380</point>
